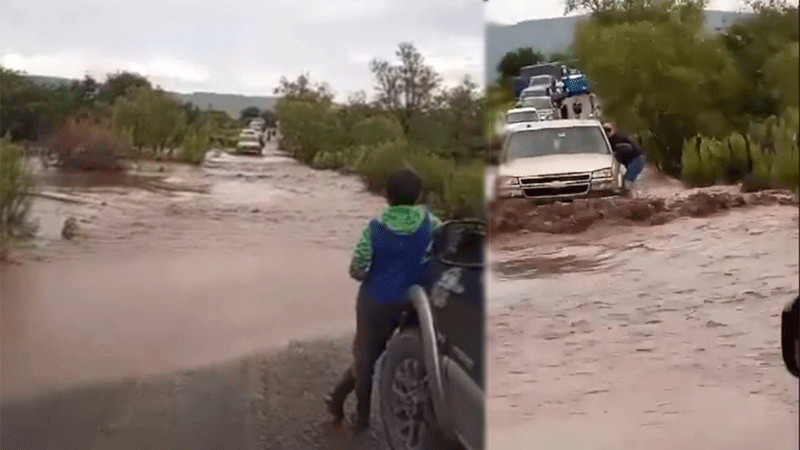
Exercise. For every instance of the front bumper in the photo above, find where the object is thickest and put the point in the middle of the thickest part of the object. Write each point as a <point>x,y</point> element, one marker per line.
<point>248,149</point>
<point>561,190</point>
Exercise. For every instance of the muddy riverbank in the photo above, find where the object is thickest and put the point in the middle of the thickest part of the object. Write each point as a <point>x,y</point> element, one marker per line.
<point>270,400</point>
<point>626,336</point>
<point>181,283</point>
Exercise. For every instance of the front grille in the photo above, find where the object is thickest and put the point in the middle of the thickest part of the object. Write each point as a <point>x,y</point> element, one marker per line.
<point>562,178</point>
<point>573,189</point>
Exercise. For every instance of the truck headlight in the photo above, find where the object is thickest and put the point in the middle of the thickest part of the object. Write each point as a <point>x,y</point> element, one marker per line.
<point>604,173</point>
<point>507,181</point>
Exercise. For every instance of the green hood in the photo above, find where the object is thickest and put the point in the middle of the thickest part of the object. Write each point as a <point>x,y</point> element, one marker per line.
<point>403,218</point>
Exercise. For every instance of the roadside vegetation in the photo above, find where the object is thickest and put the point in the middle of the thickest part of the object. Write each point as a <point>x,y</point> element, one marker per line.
<point>16,183</point>
<point>88,125</point>
<point>92,126</point>
<point>711,107</point>
<point>413,120</point>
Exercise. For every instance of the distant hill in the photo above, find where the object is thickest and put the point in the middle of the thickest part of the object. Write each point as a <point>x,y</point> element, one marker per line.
<point>232,104</point>
<point>49,81</point>
<point>556,34</point>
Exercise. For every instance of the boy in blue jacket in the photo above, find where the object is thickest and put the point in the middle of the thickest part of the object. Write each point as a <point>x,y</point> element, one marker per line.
<point>389,258</point>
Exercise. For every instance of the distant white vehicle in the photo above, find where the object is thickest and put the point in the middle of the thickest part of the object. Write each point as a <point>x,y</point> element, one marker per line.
<point>534,91</point>
<point>257,124</point>
<point>514,117</point>
<point>558,160</point>
<point>249,144</point>
<point>540,80</point>
<point>542,104</point>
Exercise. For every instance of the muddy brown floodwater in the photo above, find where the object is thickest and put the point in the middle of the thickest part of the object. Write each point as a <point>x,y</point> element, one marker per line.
<point>640,336</point>
<point>201,307</point>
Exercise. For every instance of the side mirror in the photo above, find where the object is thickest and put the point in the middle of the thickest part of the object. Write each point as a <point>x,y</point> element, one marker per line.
<point>460,243</point>
<point>790,336</point>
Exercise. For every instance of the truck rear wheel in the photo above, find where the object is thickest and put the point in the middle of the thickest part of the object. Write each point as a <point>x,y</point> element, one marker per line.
<point>401,412</point>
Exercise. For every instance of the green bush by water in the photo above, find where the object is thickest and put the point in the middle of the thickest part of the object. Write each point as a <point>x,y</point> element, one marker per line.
<point>16,182</point>
<point>766,157</point>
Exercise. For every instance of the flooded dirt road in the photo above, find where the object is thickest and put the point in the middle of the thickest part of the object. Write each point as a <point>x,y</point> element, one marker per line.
<point>634,335</point>
<point>164,316</point>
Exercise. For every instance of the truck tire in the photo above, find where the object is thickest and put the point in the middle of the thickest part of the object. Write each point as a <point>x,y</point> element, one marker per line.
<point>401,416</point>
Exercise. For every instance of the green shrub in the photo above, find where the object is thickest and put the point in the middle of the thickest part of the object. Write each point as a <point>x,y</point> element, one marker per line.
<point>697,170</point>
<point>16,182</point>
<point>463,190</point>
<point>374,145</point>
<point>309,128</point>
<point>380,161</point>
<point>433,170</point>
<point>377,130</point>
<point>766,157</point>
<point>196,143</point>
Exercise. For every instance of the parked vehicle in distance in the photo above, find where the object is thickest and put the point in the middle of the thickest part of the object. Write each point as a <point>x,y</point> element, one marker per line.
<point>534,91</point>
<point>249,145</point>
<point>258,124</point>
<point>540,80</point>
<point>429,384</point>
<point>518,115</point>
<point>558,160</point>
<point>543,105</point>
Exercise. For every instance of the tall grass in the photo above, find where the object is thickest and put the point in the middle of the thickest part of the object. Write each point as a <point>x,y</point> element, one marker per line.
<point>16,182</point>
<point>767,157</point>
<point>195,145</point>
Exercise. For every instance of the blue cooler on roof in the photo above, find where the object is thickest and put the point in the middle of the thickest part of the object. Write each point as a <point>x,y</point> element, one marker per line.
<point>575,84</point>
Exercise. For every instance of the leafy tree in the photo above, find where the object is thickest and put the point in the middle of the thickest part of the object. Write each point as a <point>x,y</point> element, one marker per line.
<point>781,74</point>
<point>563,56</point>
<point>304,89</point>
<point>760,45</point>
<point>269,117</point>
<point>119,83</point>
<point>249,113</point>
<point>152,117</point>
<point>511,63</point>
<point>761,6</point>
<point>633,9</point>
<point>192,113</point>
<point>668,92</point>
<point>461,109</point>
<point>406,88</point>
<point>29,111</point>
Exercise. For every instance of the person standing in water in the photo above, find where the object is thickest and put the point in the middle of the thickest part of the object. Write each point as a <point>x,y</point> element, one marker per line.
<point>630,155</point>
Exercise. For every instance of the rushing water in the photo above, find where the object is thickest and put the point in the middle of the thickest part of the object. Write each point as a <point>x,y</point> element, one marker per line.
<point>645,337</point>
<point>179,267</point>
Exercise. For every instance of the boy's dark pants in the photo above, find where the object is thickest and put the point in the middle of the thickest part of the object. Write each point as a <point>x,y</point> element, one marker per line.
<point>375,322</point>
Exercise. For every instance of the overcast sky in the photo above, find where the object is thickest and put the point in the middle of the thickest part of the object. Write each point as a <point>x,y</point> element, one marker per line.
<point>513,11</point>
<point>237,46</point>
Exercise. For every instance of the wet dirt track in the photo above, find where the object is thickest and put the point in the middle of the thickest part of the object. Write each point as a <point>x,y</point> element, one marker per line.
<point>162,327</point>
<point>633,335</point>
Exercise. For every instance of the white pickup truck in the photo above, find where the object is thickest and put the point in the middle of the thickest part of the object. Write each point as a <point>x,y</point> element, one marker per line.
<point>558,160</point>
